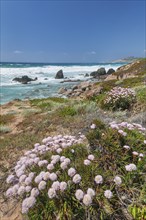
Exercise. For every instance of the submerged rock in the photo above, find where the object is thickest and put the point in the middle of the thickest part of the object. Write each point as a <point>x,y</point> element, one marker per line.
<point>59,75</point>
<point>24,79</point>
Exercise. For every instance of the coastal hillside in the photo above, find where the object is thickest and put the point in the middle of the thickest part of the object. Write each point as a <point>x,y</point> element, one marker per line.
<point>80,157</point>
<point>134,69</point>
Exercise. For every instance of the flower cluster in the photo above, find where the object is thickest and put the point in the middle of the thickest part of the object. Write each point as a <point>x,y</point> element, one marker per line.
<point>129,126</point>
<point>28,185</point>
<point>119,97</point>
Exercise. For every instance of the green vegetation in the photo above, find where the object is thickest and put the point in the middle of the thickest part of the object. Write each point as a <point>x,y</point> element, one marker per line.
<point>6,119</point>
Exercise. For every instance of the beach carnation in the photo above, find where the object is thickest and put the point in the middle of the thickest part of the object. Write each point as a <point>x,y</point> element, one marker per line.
<point>98,179</point>
<point>91,192</point>
<point>91,157</point>
<point>63,186</point>
<point>27,204</point>
<point>77,178</point>
<point>131,167</point>
<point>42,185</point>
<point>135,153</point>
<point>87,162</point>
<point>108,194</point>
<point>51,193</point>
<point>53,176</point>
<point>71,172</point>
<point>79,194</point>
<point>35,192</point>
<point>10,179</point>
<point>63,165</point>
<point>126,147</point>
<point>56,185</point>
<point>50,166</point>
<point>21,190</point>
<point>93,126</point>
<point>117,180</point>
<point>87,200</point>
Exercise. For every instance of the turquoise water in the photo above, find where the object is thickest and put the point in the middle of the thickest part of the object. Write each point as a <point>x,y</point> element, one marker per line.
<point>46,85</point>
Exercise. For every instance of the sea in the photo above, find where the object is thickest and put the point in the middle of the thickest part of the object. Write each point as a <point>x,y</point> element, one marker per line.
<point>46,85</point>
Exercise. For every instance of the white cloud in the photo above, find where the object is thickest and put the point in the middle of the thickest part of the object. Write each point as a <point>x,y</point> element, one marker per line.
<point>93,52</point>
<point>17,51</point>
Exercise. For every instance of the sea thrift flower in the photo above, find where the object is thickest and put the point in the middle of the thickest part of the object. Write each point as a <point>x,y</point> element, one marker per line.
<point>21,190</point>
<point>42,163</point>
<point>135,153</point>
<point>59,150</point>
<point>130,167</point>
<point>87,162</point>
<point>79,194</point>
<point>27,204</point>
<point>72,150</point>
<point>108,194</point>
<point>144,142</point>
<point>98,179</point>
<point>62,158</point>
<point>126,147</point>
<point>71,172</point>
<point>46,176</point>
<point>77,178</point>
<point>67,161</point>
<point>35,192</point>
<point>141,155</point>
<point>91,192</point>
<point>63,186</point>
<point>50,167</point>
<point>117,180</point>
<point>10,192</point>
<point>10,179</point>
<point>51,193</point>
<point>38,179</point>
<point>63,165</point>
<point>56,185</point>
<point>28,181</point>
<point>87,200</point>
<point>22,178</point>
<point>93,126</point>
<point>28,188</point>
<point>53,176</point>
<point>42,185</point>
<point>91,157</point>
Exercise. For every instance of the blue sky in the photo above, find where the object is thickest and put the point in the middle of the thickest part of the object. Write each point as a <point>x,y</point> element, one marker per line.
<point>72,31</point>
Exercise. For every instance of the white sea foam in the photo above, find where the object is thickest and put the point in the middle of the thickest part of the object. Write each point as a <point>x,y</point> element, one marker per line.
<point>75,71</point>
<point>46,85</point>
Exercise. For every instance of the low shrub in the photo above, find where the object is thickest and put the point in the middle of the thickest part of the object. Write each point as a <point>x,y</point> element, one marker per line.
<point>67,111</point>
<point>119,98</point>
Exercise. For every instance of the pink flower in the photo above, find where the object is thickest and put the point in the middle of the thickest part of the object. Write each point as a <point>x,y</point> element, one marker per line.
<point>98,179</point>
<point>77,178</point>
<point>63,186</point>
<point>108,194</point>
<point>51,193</point>
<point>53,176</point>
<point>71,172</point>
<point>79,194</point>
<point>87,200</point>
<point>91,157</point>
<point>93,126</point>
<point>87,162</point>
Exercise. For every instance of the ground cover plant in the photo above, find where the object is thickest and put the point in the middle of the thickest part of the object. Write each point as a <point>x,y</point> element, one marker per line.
<point>119,98</point>
<point>64,178</point>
